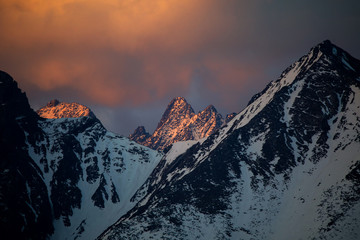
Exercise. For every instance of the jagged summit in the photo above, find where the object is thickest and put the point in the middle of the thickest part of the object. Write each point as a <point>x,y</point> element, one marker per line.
<point>57,109</point>
<point>180,123</point>
<point>179,103</point>
<point>178,108</point>
<point>178,100</point>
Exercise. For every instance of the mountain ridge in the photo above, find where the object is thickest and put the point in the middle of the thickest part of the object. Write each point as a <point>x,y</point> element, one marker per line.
<point>286,166</point>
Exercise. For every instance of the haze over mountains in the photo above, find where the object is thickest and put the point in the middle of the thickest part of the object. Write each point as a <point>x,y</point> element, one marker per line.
<point>286,167</point>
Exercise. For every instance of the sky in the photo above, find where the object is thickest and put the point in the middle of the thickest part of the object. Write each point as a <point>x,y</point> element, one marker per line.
<point>127,59</point>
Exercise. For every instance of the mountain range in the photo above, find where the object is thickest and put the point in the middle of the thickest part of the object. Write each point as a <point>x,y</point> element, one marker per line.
<point>285,167</point>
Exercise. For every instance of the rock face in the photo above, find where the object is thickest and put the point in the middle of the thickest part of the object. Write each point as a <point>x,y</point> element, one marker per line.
<point>286,167</point>
<point>57,109</point>
<point>180,123</point>
<point>60,177</point>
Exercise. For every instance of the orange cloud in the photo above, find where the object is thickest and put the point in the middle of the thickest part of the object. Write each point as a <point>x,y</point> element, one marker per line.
<point>118,52</point>
<point>140,53</point>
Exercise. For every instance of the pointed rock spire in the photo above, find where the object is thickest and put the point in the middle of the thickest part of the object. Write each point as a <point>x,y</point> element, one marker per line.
<point>180,123</point>
<point>177,109</point>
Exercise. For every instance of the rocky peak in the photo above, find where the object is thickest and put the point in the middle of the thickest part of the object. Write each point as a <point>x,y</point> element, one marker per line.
<point>180,105</point>
<point>177,109</point>
<point>337,55</point>
<point>140,135</point>
<point>178,100</point>
<point>333,55</point>
<point>57,109</point>
<point>322,57</point>
<point>179,123</point>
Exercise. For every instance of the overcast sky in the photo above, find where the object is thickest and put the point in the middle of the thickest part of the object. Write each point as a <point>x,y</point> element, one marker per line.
<point>126,59</point>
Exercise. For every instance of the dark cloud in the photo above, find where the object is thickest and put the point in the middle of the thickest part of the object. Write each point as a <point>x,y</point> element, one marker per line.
<point>127,59</point>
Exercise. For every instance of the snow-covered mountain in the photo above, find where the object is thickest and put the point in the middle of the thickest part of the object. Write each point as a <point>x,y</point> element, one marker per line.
<point>66,178</point>
<point>179,123</point>
<point>57,109</point>
<point>90,173</point>
<point>286,167</point>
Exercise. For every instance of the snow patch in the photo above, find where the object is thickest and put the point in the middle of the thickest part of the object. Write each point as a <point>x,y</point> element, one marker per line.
<point>177,149</point>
